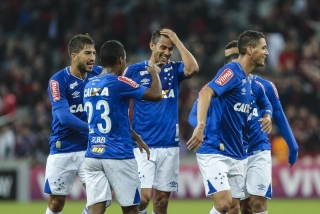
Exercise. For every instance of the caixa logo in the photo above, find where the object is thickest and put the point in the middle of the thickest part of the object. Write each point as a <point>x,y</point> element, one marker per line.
<point>242,107</point>
<point>76,108</point>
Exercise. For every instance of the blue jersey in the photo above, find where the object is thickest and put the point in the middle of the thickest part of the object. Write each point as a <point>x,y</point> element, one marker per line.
<point>257,141</point>
<point>106,101</point>
<point>260,105</point>
<point>227,122</point>
<point>157,122</point>
<point>66,91</point>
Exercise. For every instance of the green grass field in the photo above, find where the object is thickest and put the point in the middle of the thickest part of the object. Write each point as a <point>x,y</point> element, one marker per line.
<point>275,206</point>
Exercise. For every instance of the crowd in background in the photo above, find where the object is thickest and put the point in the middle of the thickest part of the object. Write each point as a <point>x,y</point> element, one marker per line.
<point>34,35</point>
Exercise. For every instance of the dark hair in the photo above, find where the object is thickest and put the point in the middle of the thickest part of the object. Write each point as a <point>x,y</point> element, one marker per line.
<point>232,44</point>
<point>110,52</point>
<point>248,38</point>
<point>230,57</point>
<point>156,35</point>
<point>78,42</point>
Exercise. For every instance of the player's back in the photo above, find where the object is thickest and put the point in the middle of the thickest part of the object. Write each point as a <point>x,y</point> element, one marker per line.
<point>106,101</point>
<point>157,122</point>
<point>228,120</point>
<point>66,91</point>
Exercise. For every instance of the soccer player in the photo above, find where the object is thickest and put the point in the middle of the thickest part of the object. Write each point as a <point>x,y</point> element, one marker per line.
<point>157,123</point>
<point>219,142</point>
<point>69,137</point>
<point>258,98</point>
<point>258,186</point>
<point>109,158</point>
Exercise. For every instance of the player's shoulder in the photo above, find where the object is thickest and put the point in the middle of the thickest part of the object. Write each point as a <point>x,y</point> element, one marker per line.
<point>61,74</point>
<point>138,66</point>
<point>269,86</point>
<point>96,70</point>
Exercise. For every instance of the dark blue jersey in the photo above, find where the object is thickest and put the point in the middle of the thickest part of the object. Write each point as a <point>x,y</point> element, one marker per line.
<point>227,122</point>
<point>106,101</point>
<point>260,105</point>
<point>157,122</point>
<point>66,92</point>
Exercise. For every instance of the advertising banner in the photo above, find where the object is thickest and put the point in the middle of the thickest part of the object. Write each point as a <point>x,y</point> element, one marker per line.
<point>301,181</point>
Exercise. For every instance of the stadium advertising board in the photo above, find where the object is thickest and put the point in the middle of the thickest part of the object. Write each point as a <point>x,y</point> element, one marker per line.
<point>301,181</point>
<point>8,185</point>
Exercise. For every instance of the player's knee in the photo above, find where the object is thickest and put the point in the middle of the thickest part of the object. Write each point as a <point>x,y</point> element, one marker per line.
<point>234,209</point>
<point>144,202</point>
<point>56,204</point>
<point>258,204</point>
<point>222,206</point>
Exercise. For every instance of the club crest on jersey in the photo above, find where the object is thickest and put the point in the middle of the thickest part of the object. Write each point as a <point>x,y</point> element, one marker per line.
<point>73,85</point>
<point>128,81</point>
<point>98,150</point>
<point>54,89</point>
<point>224,77</point>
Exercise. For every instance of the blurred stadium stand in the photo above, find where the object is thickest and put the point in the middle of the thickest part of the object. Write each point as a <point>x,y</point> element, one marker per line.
<point>34,36</point>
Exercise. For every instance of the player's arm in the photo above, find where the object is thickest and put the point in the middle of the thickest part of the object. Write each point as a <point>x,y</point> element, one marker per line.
<point>154,93</point>
<point>283,124</point>
<point>204,100</point>
<point>190,63</point>
<point>192,119</point>
<point>140,143</point>
<point>264,105</point>
<point>68,119</point>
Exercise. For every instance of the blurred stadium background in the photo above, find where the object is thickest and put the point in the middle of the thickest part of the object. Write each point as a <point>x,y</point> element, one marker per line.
<point>33,40</point>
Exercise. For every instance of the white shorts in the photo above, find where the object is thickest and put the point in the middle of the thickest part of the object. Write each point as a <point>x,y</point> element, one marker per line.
<point>259,175</point>
<point>61,170</point>
<point>121,175</point>
<point>221,173</point>
<point>161,171</point>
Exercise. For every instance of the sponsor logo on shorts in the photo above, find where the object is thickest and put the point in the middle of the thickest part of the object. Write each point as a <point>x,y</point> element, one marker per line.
<point>98,150</point>
<point>173,184</point>
<point>224,77</point>
<point>261,187</point>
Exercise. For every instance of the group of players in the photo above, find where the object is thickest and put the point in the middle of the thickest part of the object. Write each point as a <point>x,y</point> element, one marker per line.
<point>92,137</point>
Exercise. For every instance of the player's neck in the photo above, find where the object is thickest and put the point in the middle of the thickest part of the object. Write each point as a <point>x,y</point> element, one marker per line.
<point>77,73</point>
<point>246,64</point>
<point>109,70</point>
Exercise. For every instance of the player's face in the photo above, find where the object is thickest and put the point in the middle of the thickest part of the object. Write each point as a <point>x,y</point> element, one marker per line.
<point>260,53</point>
<point>229,51</point>
<point>162,50</point>
<point>85,58</point>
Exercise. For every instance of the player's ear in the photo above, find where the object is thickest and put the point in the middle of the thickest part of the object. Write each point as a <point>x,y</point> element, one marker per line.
<point>152,46</point>
<point>249,50</point>
<point>73,56</point>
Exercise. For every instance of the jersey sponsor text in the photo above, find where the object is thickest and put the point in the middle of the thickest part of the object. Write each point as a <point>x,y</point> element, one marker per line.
<point>54,88</point>
<point>224,77</point>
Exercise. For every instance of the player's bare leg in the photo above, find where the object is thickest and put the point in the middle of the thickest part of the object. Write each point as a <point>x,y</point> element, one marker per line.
<point>160,201</point>
<point>134,209</point>
<point>145,199</point>
<point>258,204</point>
<point>56,203</point>
<point>222,202</point>
<point>235,206</point>
<point>98,208</point>
<point>245,206</point>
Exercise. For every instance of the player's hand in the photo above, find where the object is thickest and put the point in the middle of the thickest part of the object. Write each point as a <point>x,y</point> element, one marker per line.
<point>293,156</point>
<point>154,68</point>
<point>266,123</point>
<point>143,146</point>
<point>172,35</point>
<point>196,140</point>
